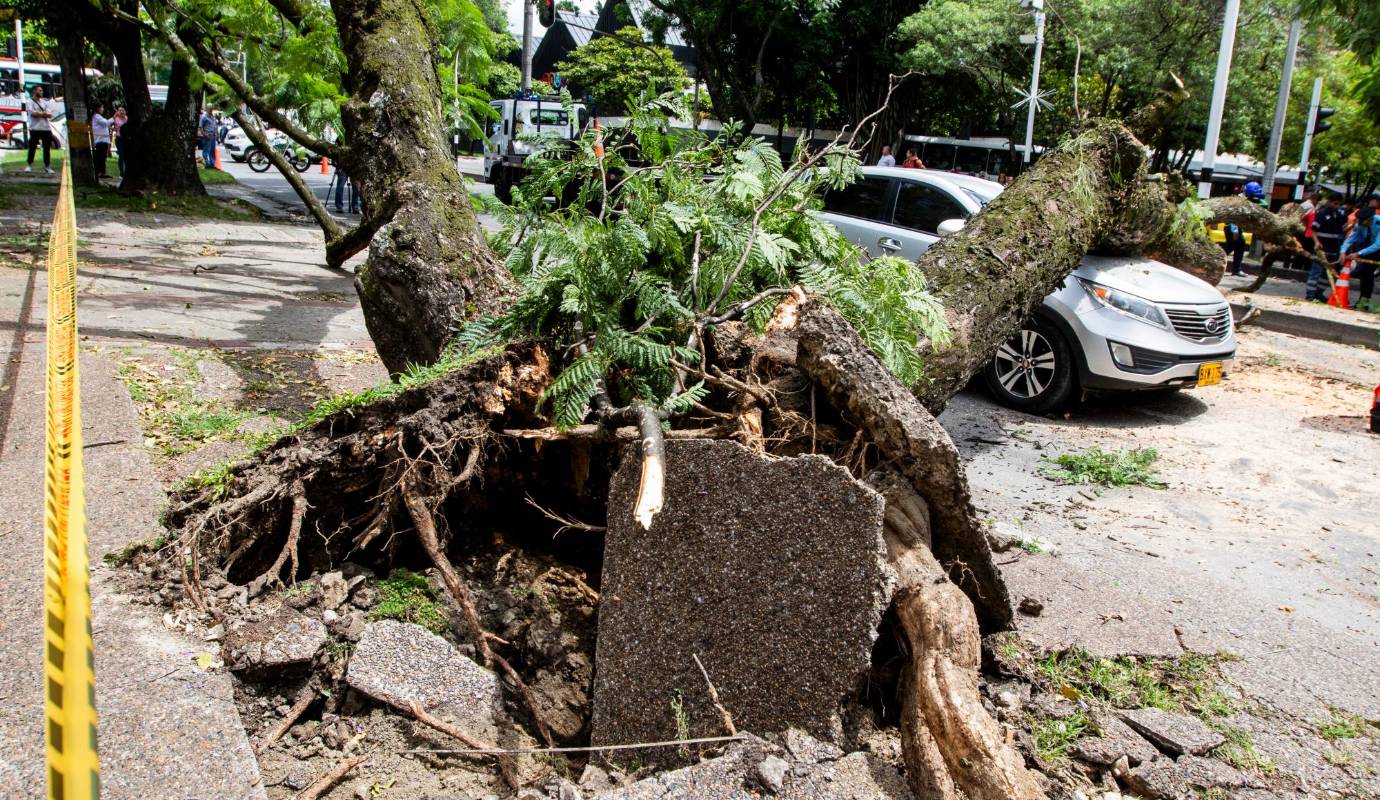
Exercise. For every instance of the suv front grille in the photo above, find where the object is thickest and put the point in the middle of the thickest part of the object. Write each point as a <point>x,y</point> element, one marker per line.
<point>1201,327</point>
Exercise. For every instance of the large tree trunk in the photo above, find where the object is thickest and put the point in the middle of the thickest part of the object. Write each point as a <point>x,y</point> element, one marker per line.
<point>75,98</point>
<point>429,265</point>
<point>158,143</point>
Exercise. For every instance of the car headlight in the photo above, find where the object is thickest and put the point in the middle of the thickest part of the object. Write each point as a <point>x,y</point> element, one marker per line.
<point>1127,304</point>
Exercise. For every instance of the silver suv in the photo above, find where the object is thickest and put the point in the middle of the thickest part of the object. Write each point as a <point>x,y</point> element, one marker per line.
<point>1115,323</point>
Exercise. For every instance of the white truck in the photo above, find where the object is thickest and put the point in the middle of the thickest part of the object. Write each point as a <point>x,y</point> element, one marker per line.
<point>510,136</point>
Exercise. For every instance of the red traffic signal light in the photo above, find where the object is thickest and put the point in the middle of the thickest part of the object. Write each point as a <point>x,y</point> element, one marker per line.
<point>546,12</point>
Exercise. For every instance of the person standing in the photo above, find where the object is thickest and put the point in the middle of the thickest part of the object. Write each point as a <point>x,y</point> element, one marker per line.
<point>40,111</point>
<point>1362,247</point>
<point>887,159</point>
<point>912,161</point>
<point>117,126</point>
<point>341,178</point>
<point>100,140</point>
<point>206,136</point>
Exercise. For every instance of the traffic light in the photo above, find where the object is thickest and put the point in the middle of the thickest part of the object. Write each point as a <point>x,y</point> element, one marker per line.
<point>546,12</point>
<point>1323,113</point>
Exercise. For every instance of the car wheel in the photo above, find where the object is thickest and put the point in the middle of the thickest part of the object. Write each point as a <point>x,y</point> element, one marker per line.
<point>1034,370</point>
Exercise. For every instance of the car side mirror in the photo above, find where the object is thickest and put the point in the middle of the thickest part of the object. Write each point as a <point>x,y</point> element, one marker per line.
<point>951,226</point>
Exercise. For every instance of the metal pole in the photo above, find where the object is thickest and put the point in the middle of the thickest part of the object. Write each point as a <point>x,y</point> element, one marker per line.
<point>1034,86</point>
<point>1281,108</point>
<point>1308,136</point>
<point>526,45</point>
<point>1219,96</point>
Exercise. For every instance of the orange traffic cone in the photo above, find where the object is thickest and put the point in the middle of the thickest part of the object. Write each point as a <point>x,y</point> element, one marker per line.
<point>598,141</point>
<point>218,158</point>
<point>323,165</point>
<point>1341,291</point>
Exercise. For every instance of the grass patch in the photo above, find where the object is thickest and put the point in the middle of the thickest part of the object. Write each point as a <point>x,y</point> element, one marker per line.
<point>1054,737</point>
<point>1341,725</point>
<point>409,597</point>
<point>16,160</point>
<point>217,479</point>
<point>1186,684</point>
<point>1239,749</point>
<point>155,202</point>
<point>413,377</point>
<point>1108,468</point>
<point>212,177</point>
<point>176,420</point>
<point>127,554</point>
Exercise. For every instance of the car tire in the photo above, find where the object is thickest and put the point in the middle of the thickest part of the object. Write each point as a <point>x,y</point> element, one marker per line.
<point>503,185</point>
<point>1034,370</point>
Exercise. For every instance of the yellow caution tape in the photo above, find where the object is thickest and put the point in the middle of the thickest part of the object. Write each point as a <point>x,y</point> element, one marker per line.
<point>69,655</point>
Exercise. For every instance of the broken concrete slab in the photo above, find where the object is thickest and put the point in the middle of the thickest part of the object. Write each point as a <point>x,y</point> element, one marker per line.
<point>1114,740</point>
<point>284,638</point>
<point>1176,734</point>
<point>1165,779</point>
<point>399,664</point>
<point>772,571</point>
<point>736,775</point>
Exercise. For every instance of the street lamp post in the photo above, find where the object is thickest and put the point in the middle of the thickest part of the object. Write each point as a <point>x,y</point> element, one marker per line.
<point>1286,80</point>
<point>526,46</point>
<point>1033,99</point>
<point>1219,97</point>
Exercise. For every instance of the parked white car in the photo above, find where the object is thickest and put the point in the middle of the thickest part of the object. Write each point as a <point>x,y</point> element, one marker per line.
<point>1114,324</point>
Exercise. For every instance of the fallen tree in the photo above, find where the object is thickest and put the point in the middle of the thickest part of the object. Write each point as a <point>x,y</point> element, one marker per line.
<point>624,314</point>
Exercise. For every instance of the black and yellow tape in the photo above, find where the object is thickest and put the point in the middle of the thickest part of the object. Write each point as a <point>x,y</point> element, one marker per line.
<point>69,654</point>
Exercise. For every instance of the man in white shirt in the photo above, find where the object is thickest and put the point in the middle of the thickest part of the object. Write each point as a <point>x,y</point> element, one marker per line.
<point>887,159</point>
<point>100,140</point>
<point>41,112</point>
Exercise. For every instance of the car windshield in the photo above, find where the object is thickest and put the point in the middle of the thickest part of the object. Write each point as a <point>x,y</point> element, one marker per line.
<point>548,116</point>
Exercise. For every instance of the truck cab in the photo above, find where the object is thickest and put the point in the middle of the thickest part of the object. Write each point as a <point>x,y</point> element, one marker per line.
<point>509,142</point>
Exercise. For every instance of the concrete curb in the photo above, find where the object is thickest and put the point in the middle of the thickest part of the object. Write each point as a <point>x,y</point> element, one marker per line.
<point>1310,327</point>
<point>272,210</point>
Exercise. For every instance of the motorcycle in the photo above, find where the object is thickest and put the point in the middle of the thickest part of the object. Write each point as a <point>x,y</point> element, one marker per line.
<point>296,156</point>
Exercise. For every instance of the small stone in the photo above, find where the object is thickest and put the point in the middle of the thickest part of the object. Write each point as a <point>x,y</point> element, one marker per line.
<point>328,616</point>
<point>334,590</point>
<point>770,774</point>
<point>1176,734</point>
<point>349,626</point>
<point>1007,699</point>
<point>216,633</point>
<point>1209,773</point>
<point>1051,706</point>
<point>365,597</point>
<point>594,779</point>
<point>1030,607</point>
<point>807,749</point>
<point>297,778</point>
<point>282,639</point>
<point>298,600</point>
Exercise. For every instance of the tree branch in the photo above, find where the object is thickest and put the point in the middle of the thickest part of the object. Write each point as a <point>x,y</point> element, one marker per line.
<point>329,226</point>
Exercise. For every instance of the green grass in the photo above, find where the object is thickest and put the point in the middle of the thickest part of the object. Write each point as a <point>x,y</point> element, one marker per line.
<point>211,177</point>
<point>217,479</point>
<point>176,420</point>
<point>15,160</point>
<point>1054,737</point>
<point>1341,725</point>
<point>1108,468</point>
<point>409,597</point>
<point>413,377</point>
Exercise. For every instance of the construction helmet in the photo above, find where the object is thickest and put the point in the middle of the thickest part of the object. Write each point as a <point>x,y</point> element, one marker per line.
<point>1253,191</point>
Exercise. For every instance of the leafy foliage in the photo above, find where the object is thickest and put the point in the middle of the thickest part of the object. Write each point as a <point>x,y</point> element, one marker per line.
<point>669,231</point>
<point>620,70</point>
<point>1109,468</point>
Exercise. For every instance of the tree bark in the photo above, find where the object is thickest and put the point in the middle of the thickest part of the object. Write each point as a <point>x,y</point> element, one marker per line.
<point>158,143</point>
<point>995,273</point>
<point>75,98</point>
<point>429,265</point>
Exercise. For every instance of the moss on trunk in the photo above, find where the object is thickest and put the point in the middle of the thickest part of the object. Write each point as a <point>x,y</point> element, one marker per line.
<point>429,264</point>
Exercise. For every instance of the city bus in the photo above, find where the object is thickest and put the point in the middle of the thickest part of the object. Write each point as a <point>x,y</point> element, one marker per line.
<point>49,76</point>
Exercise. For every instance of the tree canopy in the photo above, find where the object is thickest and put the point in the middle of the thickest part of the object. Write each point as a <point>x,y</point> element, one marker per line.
<point>621,70</point>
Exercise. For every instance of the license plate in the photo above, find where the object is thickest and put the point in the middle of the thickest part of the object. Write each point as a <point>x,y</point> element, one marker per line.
<point>1210,374</point>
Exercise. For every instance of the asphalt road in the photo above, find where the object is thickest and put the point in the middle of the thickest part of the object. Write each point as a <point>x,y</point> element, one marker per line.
<point>272,184</point>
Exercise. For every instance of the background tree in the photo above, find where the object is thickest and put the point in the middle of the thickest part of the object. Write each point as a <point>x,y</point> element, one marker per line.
<point>621,70</point>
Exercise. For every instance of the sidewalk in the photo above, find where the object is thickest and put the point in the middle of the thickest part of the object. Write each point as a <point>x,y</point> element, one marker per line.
<point>167,728</point>
<point>1281,308</point>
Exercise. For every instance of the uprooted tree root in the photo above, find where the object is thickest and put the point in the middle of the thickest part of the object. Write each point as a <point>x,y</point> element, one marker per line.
<point>404,479</point>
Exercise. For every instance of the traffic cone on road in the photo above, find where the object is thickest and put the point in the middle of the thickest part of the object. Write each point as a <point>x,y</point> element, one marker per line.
<point>218,158</point>
<point>1341,291</point>
<point>323,165</point>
